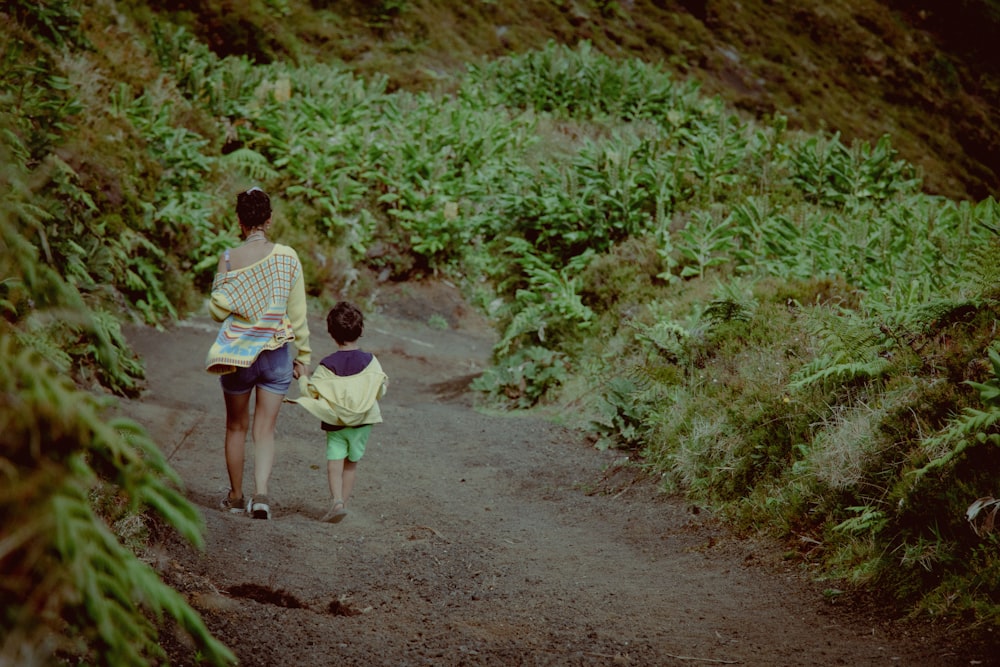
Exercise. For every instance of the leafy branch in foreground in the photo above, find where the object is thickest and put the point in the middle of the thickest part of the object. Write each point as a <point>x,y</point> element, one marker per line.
<point>65,574</point>
<point>67,585</point>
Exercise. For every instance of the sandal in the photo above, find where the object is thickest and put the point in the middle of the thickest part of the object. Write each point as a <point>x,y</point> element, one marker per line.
<point>238,506</point>
<point>336,513</point>
<point>259,508</point>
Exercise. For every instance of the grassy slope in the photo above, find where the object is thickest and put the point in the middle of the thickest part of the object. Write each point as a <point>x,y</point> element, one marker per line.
<point>859,67</point>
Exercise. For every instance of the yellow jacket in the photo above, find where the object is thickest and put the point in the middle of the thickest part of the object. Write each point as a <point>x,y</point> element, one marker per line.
<point>350,400</point>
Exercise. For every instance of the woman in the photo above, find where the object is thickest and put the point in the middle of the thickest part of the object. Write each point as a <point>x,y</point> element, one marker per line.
<point>259,296</point>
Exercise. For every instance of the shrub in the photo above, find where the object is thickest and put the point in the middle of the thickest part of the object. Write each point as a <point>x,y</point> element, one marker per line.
<point>522,379</point>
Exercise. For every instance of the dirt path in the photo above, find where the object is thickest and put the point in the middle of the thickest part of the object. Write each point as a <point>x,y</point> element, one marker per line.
<point>473,539</point>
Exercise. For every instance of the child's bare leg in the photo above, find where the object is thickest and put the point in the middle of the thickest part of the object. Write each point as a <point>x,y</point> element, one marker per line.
<point>335,477</point>
<point>350,473</point>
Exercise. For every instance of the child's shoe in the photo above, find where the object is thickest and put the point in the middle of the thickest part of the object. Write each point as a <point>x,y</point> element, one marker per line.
<point>336,513</point>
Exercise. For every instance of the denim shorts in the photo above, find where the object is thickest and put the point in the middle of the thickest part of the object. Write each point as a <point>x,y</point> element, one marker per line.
<point>270,371</point>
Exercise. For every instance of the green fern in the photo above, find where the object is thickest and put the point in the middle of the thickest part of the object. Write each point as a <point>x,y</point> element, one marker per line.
<point>851,346</point>
<point>731,302</point>
<point>670,339</point>
<point>119,367</point>
<point>251,163</point>
<point>38,338</point>
<point>529,320</point>
<point>625,408</point>
<point>57,555</point>
<point>65,574</point>
<point>549,301</point>
<point>972,428</point>
<point>867,520</point>
<point>826,371</point>
<point>982,272</point>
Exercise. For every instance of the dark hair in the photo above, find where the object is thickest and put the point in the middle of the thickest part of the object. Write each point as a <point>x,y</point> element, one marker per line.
<point>345,322</point>
<point>253,208</point>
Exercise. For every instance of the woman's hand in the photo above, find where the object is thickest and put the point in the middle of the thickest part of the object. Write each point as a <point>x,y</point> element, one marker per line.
<point>299,369</point>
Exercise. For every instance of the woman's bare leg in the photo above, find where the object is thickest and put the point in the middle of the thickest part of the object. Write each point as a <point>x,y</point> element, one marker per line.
<point>265,419</point>
<point>237,422</point>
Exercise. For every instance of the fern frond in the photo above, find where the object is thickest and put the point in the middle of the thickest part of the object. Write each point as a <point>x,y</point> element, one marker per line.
<point>60,556</point>
<point>909,313</point>
<point>851,346</point>
<point>976,426</point>
<point>729,309</point>
<point>669,338</point>
<point>850,339</point>
<point>937,311</point>
<point>252,163</point>
<point>40,342</point>
<point>981,272</point>
<point>821,372</point>
<point>529,319</point>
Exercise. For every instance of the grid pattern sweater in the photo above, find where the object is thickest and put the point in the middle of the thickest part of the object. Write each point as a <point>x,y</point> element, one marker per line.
<point>261,307</point>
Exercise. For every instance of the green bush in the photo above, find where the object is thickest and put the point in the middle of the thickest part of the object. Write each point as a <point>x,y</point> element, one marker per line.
<point>522,379</point>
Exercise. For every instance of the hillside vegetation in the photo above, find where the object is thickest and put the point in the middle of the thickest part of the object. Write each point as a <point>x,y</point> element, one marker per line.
<point>925,72</point>
<point>788,326</point>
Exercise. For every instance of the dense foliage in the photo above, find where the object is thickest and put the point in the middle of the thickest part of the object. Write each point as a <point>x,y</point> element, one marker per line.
<point>78,486</point>
<point>781,325</point>
<point>76,483</point>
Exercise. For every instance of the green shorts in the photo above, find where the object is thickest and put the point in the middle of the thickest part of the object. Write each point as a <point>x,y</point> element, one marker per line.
<point>347,443</point>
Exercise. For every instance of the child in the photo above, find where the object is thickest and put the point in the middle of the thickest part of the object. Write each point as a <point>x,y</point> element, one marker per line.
<point>343,392</point>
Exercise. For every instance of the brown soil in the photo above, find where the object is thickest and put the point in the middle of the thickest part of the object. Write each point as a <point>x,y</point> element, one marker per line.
<point>477,539</point>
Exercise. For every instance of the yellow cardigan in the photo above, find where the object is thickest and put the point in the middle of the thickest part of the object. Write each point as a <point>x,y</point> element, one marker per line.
<point>350,400</point>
